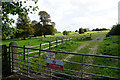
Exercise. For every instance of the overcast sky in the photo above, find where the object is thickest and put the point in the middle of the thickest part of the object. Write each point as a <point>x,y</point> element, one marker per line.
<point>74,14</point>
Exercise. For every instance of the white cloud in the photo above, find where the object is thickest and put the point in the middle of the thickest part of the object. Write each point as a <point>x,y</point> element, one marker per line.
<point>73,14</point>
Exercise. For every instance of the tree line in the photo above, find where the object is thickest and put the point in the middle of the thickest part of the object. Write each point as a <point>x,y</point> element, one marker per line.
<point>97,29</point>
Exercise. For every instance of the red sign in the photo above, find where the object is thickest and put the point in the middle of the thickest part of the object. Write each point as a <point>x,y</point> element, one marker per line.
<point>55,64</point>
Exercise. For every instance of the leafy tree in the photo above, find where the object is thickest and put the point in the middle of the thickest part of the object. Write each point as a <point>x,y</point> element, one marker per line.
<point>49,30</point>
<point>65,32</point>
<point>44,17</point>
<point>81,30</point>
<point>7,31</point>
<point>97,29</point>
<point>53,24</point>
<point>34,22</point>
<point>55,30</point>
<point>45,21</point>
<point>14,8</point>
<point>76,30</point>
<point>85,30</point>
<point>23,23</point>
<point>115,30</point>
<point>38,29</point>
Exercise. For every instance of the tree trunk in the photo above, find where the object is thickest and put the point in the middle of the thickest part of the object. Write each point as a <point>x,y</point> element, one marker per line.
<point>44,35</point>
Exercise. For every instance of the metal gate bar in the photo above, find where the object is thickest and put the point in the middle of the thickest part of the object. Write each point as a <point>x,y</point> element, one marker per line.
<point>82,72</point>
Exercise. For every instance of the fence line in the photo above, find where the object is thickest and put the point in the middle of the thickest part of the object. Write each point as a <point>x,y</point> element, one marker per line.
<point>28,70</point>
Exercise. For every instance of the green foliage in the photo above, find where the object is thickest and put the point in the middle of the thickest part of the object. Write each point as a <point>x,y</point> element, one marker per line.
<point>65,32</point>
<point>34,22</point>
<point>13,8</point>
<point>46,29</point>
<point>102,29</point>
<point>44,17</point>
<point>49,30</point>
<point>115,30</point>
<point>85,30</point>
<point>38,29</point>
<point>81,30</point>
<point>76,30</point>
<point>24,26</point>
<point>7,31</point>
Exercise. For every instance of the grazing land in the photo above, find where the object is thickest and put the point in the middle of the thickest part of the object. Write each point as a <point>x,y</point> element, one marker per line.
<point>97,45</point>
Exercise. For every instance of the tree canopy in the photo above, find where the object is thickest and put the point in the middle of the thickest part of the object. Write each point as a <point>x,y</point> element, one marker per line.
<point>115,30</point>
<point>47,27</point>
<point>81,30</point>
<point>24,26</point>
<point>14,8</point>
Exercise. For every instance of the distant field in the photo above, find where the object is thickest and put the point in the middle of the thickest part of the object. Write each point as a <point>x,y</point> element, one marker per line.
<point>37,40</point>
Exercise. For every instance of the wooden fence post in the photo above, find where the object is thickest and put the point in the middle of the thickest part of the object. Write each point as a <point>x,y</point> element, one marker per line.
<point>56,43</point>
<point>62,41</point>
<point>24,53</point>
<point>40,49</point>
<point>49,45</point>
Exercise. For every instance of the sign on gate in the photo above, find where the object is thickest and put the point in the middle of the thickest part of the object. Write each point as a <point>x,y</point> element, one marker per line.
<point>55,64</point>
<point>51,55</point>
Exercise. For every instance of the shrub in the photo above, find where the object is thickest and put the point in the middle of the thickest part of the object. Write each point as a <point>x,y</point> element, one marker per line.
<point>115,30</point>
<point>65,32</point>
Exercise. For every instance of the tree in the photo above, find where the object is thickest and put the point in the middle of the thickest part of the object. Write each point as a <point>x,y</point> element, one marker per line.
<point>34,22</point>
<point>44,17</point>
<point>23,23</point>
<point>76,30</point>
<point>47,29</point>
<point>14,8</point>
<point>115,30</point>
<point>53,24</point>
<point>38,29</point>
<point>81,30</point>
<point>65,32</point>
<point>85,30</point>
<point>7,31</point>
<point>55,30</point>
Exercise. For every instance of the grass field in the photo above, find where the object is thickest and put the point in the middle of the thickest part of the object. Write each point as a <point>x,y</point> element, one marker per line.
<point>78,45</point>
<point>109,46</point>
<point>39,39</point>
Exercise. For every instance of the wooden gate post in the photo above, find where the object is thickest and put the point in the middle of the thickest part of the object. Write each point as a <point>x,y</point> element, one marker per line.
<point>13,55</point>
<point>6,70</point>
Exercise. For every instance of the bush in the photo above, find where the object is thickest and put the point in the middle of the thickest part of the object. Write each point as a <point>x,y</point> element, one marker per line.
<point>65,32</point>
<point>115,30</point>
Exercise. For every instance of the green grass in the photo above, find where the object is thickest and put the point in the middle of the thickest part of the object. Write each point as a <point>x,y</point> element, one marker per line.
<point>68,47</point>
<point>37,40</point>
<point>109,46</point>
